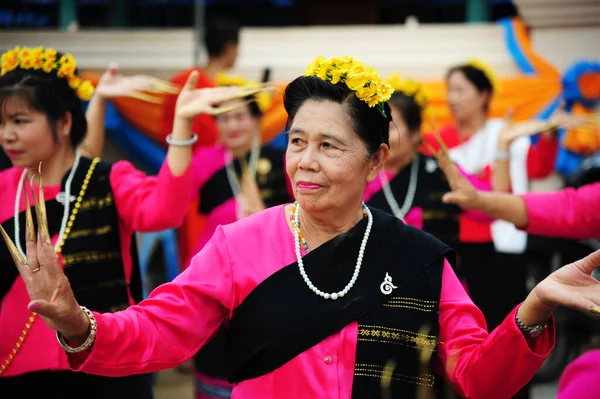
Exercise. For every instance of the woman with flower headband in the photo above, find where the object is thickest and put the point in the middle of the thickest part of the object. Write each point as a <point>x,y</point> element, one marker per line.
<point>326,297</point>
<point>93,207</point>
<point>411,185</point>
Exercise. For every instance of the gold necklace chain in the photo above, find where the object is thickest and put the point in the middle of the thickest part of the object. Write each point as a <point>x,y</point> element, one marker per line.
<point>33,316</point>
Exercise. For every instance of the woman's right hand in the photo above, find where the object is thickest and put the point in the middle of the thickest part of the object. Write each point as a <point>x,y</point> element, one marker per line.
<point>49,290</point>
<point>192,102</point>
<point>463,193</point>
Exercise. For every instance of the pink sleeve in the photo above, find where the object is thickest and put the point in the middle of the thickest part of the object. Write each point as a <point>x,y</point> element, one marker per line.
<point>476,363</point>
<point>580,378</point>
<point>148,203</point>
<point>568,213</point>
<point>171,325</point>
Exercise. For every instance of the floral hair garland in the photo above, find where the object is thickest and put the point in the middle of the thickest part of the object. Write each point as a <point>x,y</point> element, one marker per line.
<point>46,60</point>
<point>411,88</point>
<point>361,79</point>
<point>264,100</point>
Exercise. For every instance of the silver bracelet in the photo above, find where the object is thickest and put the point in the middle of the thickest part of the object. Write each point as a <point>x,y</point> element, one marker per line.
<point>502,155</point>
<point>182,143</point>
<point>88,342</point>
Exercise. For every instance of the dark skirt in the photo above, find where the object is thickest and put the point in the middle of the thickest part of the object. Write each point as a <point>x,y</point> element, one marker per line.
<point>72,385</point>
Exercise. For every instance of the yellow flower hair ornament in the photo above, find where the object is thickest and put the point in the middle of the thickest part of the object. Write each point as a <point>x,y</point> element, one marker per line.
<point>264,99</point>
<point>409,87</point>
<point>46,60</point>
<point>361,79</point>
<point>487,70</point>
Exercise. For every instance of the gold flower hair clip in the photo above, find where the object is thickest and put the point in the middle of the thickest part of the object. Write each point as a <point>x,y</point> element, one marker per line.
<point>410,88</point>
<point>46,60</point>
<point>361,79</point>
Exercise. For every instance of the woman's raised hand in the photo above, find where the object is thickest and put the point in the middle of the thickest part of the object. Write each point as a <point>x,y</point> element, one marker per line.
<point>211,101</point>
<point>113,85</point>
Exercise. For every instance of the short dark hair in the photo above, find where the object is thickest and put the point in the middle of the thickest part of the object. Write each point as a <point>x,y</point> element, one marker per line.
<point>48,94</point>
<point>219,33</point>
<point>411,111</point>
<point>368,122</point>
<point>477,77</point>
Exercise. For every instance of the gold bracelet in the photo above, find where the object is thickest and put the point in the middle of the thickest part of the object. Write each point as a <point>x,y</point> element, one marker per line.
<point>88,342</point>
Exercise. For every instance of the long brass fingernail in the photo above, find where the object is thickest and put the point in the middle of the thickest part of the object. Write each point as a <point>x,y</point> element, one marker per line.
<point>12,248</point>
<point>42,216</point>
<point>30,229</point>
<point>595,310</point>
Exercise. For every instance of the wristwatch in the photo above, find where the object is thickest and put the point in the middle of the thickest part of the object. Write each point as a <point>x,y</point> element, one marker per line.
<point>530,331</point>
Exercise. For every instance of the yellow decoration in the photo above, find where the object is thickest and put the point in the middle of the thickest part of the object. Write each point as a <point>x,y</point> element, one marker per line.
<point>411,88</point>
<point>487,70</point>
<point>361,79</point>
<point>263,98</point>
<point>45,60</point>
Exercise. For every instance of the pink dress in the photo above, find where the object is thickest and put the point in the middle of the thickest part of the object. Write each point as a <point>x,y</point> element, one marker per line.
<point>143,204</point>
<point>180,317</point>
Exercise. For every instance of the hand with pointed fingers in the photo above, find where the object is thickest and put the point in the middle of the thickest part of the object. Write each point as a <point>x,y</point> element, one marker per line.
<point>572,286</point>
<point>49,289</point>
<point>113,85</point>
<point>253,202</point>
<point>566,120</point>
<point>463,193</point>
<point>192,102</point>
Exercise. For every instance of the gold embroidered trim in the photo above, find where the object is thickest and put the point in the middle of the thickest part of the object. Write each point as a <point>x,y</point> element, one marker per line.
<point>374,371</point>
<point>89,232</point>
<point>395,336</point>
<point>33,316</point>
<point>97,202</point>
<point>89,257</point>
<point>429,215</point>
<point>412,303</point>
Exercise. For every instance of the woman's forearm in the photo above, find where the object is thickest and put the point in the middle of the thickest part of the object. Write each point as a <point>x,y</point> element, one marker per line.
<point>504,206</point>
<point>93,143</point>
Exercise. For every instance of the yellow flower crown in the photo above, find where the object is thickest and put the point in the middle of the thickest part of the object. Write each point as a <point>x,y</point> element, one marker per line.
<point>411,88</point>
<point>361,79</point>
<point>263,98</point>
<point>487,71</point>
<point>46,60</point>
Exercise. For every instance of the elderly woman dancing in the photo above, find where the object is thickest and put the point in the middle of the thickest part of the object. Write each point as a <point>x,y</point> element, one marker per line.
<point>324,298</point>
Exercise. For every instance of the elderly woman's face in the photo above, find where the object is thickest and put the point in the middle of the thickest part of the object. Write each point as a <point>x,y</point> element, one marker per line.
<point>326,160</point>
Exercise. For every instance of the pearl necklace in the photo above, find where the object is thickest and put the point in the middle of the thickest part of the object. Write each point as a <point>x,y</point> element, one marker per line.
<point>233,179</point>
<point>400,213</point>
<point>359,260</point>
<point>67,204</point>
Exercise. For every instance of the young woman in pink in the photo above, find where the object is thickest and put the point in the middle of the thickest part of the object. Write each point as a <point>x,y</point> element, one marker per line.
<point>94,208</point>
<point>323,298</point>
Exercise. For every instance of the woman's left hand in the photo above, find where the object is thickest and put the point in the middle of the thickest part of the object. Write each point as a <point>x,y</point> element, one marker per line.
<point>113,85</point>
<point>253,202</point>
<point>571,286</point>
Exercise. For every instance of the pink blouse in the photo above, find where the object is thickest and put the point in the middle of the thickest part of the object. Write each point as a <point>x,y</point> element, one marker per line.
<point>143,203</point>
<point>568,213</point>
<point>580,378</point>
<point>179,317</point>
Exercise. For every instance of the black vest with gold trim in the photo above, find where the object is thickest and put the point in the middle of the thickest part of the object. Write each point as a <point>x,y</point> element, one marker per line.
<point>92,253</point>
